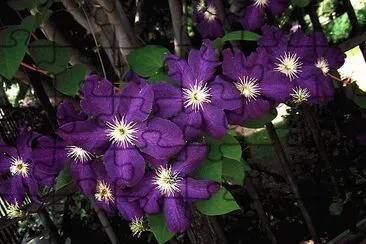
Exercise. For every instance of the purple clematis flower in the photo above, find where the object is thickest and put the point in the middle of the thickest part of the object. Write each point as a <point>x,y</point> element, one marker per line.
<point>253,16</point>
<point>208,23</point>
<point>256,86</point>
<point>17,163</point>
<point>197,102</point>
<point>119,128</point>
<point>170,188</point>
<point>295,59</point>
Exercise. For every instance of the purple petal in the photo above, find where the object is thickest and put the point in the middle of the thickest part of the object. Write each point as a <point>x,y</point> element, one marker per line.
<point>275,86</point>
<point>109,207</point>
<point>252,17</point>
<point>125,165</point>
<point>177,214</point>
<point>237,116</point>
<point>190,122</point>
<point>215,121</point>
<point>203,62</point>
<point>100,99</point>
<point>168,99</point>
<point>161,139</point>
<point>190,158</point>
<point>151,203</point>
<point>156,163</point>
<point>12,189</point>
<point>277,7</point>
<point>256,109</point>
<point>66,113</point>
<point>143,188</point>
<point>24,145</point>
<point>179,70</point>
<point>33,189</point>
<point>224,94</point>
<point>136,103</point>
<point>129,210</point>
<point>84,177</point>
<point>273,40</point>
<point>88,135</point>
<point>210,29</point>
<point>233,63</point>
<point>193,190</point>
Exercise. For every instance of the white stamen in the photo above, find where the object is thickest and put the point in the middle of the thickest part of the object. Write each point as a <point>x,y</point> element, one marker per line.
<point>121,133</point>
<point>210,13</point>
<point>289,65</point>
<point>137,226</point>
<point>323,65</point>
<point>14,211</point>
<point>167,180</point>
<point>18,166</point>
<point>248,87</point>
<point>260,3</point>
<point>300,95</point>
<point>196,96</point>
<point>78,154</point>
<point>104,192</point>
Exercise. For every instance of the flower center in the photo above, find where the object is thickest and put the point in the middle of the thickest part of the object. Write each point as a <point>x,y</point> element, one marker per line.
<point>19,167</point>
<point>196,96</point>
<point>248,87</point>
<point>104,192</point>
<point>121,133</point>
<point>323,65</point>
<point>289,65</point>
<point>210,13</point>
<point>300,95</point>
<point>14,211</point>
<point>78,154</point>
<point>260,3</point>
<point>167,180</point>
<point>137,226</point>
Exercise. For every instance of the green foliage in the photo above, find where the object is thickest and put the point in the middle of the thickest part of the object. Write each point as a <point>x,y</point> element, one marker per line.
<point>25,4</point>
<point>158,228</point>
<point>336,208</point>
<point>13,43</point>
<point>301,3</point>
<point>69,81</point>
<point>210,170</point>
<point>49,55</point>
<point>260,123</point>
<point>32,22</point>
<point>234,171</point>
<point>160,76</point>
<point>147,61</point>
<point>220,203</point>
<point>236,36</point>
<point>64,178</point>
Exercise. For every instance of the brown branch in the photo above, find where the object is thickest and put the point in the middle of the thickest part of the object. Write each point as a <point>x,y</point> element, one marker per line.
<point>126,38</point>
<point>181,40</point>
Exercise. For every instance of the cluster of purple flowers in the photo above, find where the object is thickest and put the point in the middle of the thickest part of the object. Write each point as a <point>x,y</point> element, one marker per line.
<point>134,151</point>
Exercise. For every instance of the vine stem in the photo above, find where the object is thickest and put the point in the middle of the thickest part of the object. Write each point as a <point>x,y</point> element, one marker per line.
<point>315,131</point>
<point>49,227</point>
<point>291,179</point>
<point>42,71</point>
<point>95,40</point>
<point>259,209</point>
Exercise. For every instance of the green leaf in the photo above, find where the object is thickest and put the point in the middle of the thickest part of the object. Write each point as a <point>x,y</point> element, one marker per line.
<point>220,203</point>
<point>230,148</point>
<point>209,170</point>
<point>147,61</point>
<point>69,81</point>
<point>32,22</point>
<point>336,208</point>
<point>301,3</point>
<point>25,4</point>
<point>161,76</point>
<point>64,178</point>
<point>236,36</point>
<point>49,56</point>
<point>13,43</point>
<point>259,123</point>
<point>233,171</point>
<point>158,227</point>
